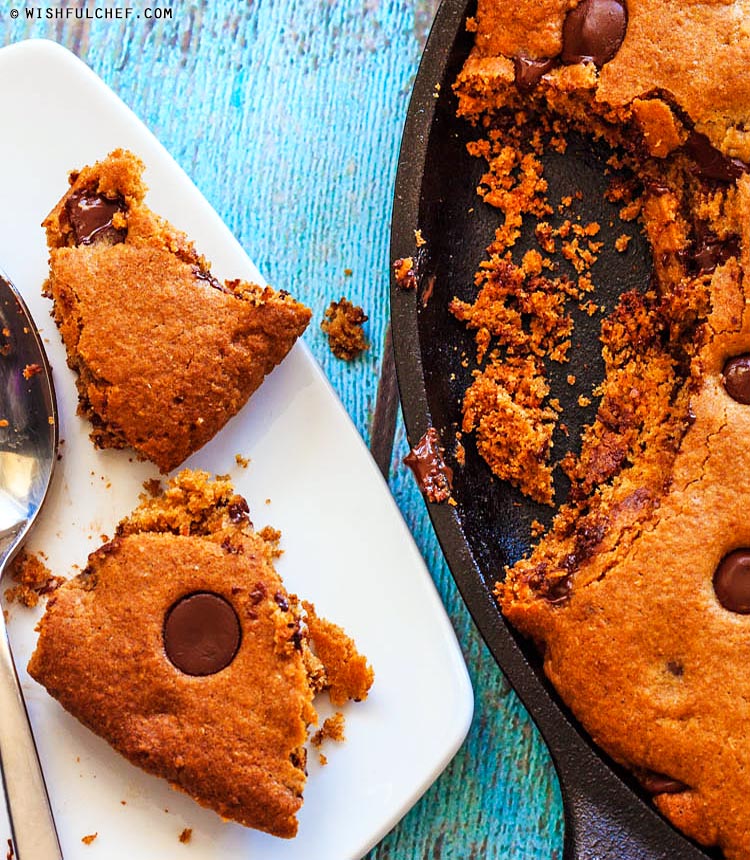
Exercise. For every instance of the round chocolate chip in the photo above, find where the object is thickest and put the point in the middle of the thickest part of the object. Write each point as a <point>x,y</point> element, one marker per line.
<point>594,31</point>
<point>732,581</point>
<point>201,633</point>
<point>736,378</point>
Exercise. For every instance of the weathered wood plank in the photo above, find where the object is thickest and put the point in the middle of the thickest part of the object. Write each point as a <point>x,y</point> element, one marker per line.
<point>288,118</point>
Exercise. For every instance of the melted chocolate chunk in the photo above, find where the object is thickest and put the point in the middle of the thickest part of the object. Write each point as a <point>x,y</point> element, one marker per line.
<point>238,511</point>
<point>426,462</point>
<point>674,667</point>
<point>258,593</point>
<point>91,214</point>
<point>732,581</point>
<point>201,633</point>
<point>594,31</point>
<point>709,251</point>
<point>710,163</point>
<point>529,72</point>
<point>659,783</point>
<point>559,591</point>
<point>205,275</point>
<point>736,378</point>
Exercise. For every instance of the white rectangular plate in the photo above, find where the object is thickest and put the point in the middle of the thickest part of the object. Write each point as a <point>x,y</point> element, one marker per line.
<point>346,545</point>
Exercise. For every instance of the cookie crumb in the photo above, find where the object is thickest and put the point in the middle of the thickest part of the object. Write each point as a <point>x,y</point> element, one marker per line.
<point>622,242</point>
<point>152,487</point>
<point>34,580</point>
<point>242,461</point>
<point>87,840</point>
<point>405,274</point>
<point>186,835</point>
<point>332,729</point>
<point>31,370</point>
<point>537,529</point>
<point>342,323</point>
<point>348,674</point>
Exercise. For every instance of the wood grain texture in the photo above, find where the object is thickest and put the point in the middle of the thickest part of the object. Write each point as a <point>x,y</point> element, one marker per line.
<point>288,117</point>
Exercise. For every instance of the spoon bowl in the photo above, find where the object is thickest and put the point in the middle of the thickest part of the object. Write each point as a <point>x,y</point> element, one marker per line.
<point>28,452</point>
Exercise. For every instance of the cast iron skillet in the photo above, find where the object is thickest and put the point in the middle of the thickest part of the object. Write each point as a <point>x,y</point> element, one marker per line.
<point>607,816</point>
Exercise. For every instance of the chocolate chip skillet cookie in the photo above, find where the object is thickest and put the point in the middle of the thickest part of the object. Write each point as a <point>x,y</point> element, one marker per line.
<point>639,592</point>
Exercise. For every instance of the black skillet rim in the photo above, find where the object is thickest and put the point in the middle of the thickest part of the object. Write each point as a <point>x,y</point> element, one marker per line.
<point>600,799</point>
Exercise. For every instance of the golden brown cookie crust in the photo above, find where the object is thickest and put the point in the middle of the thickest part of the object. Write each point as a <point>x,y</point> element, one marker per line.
<point>164,354</point>
<point>233,740</point>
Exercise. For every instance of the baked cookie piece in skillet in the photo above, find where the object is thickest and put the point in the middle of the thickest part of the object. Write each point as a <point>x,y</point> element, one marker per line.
<point>164,353</point>
<point>180,646</point>
<point>638,592</point>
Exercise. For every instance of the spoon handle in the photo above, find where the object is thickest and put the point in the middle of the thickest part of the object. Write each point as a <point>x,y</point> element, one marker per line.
<point>34,834</point>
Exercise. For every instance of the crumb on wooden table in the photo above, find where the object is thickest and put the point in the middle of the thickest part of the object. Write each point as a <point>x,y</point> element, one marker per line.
<point>342,323</point>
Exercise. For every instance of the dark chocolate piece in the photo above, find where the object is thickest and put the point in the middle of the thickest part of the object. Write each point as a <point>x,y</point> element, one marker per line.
<point>529,72</point>
<point>91,214</point>
<point>559,591</point>
<point>201,633</point>
<point>659,783</point>
<point>205,275</point>
<point>732,581</point>
<point>736,378</point>
<point>429,467</point>
<point>710,163</point>
<point>238,511</point>
<point>594,31</point>
<point>709,251</point>
<point>674,667</point>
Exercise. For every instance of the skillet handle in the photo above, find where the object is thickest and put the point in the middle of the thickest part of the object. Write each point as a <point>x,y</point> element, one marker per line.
<point>606,820</point>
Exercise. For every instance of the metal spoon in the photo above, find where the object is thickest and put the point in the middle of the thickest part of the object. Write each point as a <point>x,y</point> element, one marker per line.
<point>28,451</point>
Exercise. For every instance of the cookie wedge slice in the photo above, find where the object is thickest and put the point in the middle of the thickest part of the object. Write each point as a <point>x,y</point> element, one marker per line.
<point>164,353</point>
<point>180,646</point>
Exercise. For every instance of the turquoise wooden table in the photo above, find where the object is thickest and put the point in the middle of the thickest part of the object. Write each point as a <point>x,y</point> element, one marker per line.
<point>288,117</point>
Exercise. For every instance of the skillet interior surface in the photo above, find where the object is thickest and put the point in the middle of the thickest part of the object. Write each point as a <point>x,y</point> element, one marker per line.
<point>607,815</point>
